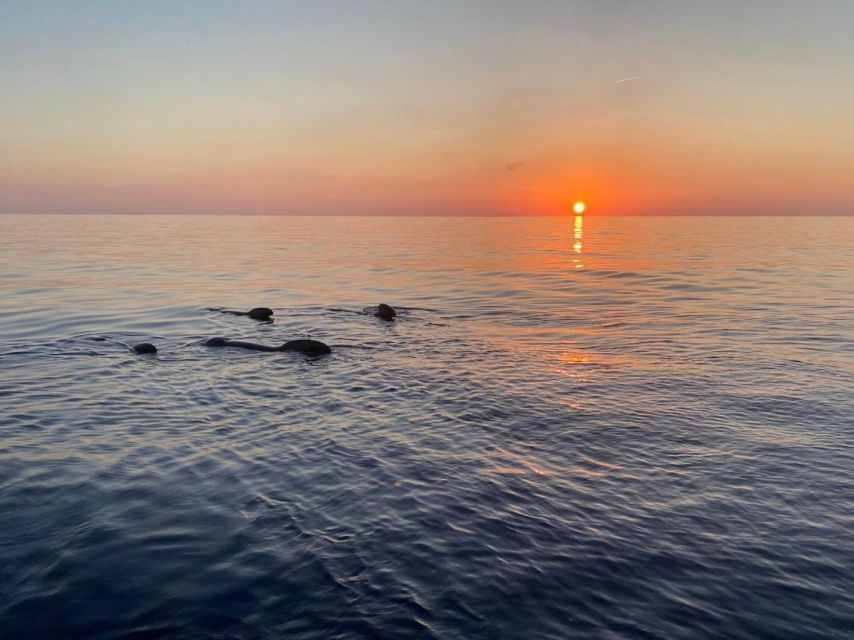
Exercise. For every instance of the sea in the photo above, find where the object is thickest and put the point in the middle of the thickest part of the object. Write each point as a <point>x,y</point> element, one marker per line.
<point>576,427</point>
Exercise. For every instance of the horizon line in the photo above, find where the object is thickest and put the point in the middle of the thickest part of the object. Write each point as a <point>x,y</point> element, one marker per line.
<point>443,215</point>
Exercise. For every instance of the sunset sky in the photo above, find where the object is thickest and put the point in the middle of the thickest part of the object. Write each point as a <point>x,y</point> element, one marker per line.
<point>399,107</point>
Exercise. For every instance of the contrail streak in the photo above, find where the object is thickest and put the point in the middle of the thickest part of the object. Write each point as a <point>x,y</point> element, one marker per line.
<point>626,80</point>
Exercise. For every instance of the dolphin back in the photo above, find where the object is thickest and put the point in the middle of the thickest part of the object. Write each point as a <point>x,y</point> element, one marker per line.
<point>308,347</point>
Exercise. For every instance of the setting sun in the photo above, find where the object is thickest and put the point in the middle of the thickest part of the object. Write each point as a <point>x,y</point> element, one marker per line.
<point>579,207</point>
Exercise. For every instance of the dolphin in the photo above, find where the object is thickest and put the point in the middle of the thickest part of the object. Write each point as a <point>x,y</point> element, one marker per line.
<point>308,347</point>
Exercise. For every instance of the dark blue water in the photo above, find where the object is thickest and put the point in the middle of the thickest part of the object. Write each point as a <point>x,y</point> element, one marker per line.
<point>602,428</point>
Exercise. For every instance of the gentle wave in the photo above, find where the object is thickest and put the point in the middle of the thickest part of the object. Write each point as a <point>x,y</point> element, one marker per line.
<point>606,429</point>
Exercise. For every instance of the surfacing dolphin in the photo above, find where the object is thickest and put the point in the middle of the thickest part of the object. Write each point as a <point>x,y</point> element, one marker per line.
<point>386,312</point>
<point>258,313</point>
<point>382,311</point>
<point>308,347</point>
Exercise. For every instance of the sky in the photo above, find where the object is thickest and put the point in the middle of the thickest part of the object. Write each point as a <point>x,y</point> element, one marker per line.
<point>427,108</point>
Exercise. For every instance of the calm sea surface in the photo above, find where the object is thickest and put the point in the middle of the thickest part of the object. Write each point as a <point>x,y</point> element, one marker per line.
<point>609,428</point>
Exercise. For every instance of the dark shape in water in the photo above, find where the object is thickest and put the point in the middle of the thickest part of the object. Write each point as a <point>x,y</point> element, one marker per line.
<point>308,347</point>
<point>144,347</point>
<point>258,313</point>
<point>385,312</point>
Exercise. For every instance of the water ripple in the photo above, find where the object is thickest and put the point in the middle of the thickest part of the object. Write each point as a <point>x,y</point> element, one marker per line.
<point>634,434</point>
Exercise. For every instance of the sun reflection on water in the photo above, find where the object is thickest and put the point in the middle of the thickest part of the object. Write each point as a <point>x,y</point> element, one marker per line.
<point>578,232</point>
